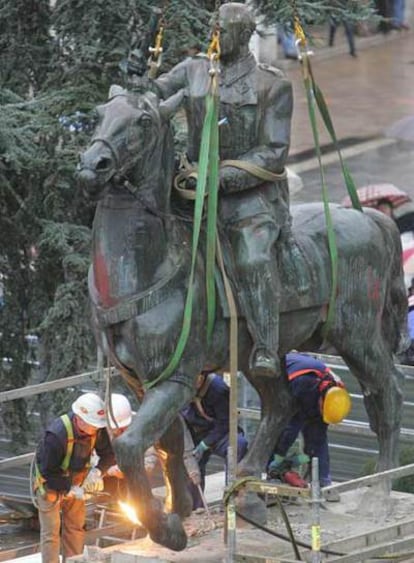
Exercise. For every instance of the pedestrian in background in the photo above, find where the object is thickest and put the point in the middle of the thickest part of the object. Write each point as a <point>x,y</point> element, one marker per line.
<point>349,32</point>
<point>287,40</point>
<point>320,399</point>
<point>398,11</point>
<point>384,8</point>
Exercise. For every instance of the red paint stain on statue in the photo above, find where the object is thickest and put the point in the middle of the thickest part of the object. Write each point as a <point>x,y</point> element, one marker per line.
<point>102,283</point>
<point>374,286</point>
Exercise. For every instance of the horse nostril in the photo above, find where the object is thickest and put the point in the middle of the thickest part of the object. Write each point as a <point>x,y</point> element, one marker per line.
<point>103,164</point>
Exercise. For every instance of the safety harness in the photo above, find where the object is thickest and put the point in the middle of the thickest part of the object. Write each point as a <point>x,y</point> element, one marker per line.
<point>327,378</point>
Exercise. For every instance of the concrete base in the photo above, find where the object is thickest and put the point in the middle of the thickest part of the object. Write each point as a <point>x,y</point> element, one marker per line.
<point>351,526</point>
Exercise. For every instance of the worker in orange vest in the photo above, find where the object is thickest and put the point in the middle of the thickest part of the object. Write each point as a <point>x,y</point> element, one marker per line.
<point>320,399</point>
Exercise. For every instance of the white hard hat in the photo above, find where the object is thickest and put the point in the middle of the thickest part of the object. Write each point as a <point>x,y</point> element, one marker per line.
<point>91,409</point>
<point>121,409</point>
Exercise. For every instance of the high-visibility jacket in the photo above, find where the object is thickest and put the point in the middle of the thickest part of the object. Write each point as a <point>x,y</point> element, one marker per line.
<point>63,455</point>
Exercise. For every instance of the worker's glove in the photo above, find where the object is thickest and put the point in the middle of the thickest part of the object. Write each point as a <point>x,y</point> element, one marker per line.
<point>199,450</point>
<point>93,482</point>
<point>114,471</point>
<point>193,469</point>
<point>277,464</point>
<point>297,460</point>
<point>76,492</point>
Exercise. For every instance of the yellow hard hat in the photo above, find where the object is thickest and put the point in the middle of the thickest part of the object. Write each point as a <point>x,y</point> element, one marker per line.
<point>336,405</point>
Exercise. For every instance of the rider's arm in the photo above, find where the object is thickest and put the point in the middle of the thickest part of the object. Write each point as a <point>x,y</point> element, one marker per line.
<point>171,82</point>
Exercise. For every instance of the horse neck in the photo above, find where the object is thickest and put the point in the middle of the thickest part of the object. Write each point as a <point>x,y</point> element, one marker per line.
<point>152,178</point>
<point>130,248</point>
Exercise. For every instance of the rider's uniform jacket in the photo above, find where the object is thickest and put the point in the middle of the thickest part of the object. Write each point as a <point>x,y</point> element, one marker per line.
<point>52,450</point>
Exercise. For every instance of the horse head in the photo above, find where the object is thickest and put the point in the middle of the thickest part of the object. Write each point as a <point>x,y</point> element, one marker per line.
<point>131,147</point>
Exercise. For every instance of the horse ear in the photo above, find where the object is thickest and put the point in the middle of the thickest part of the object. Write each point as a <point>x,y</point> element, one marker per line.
<point>116,90</point>
<point>171,105</point>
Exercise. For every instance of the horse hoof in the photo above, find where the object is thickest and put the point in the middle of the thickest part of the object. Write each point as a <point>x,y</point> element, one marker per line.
<point>250,505</point>
<point>170,533</point>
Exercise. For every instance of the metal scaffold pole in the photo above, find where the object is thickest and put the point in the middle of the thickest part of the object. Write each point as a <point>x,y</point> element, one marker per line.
<point>316,505</point>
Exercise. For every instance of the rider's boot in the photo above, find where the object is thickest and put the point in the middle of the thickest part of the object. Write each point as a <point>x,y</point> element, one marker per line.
<point>260,298</point>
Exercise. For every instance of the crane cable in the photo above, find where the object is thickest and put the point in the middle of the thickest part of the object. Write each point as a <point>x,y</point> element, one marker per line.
<point>207,184</point>
<point>314,96</point>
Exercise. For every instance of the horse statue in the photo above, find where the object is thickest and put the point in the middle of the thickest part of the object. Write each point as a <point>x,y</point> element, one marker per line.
<point>141,257</point>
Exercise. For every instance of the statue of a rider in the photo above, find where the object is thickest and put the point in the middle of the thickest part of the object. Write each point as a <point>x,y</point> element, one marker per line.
<point>255,112</point>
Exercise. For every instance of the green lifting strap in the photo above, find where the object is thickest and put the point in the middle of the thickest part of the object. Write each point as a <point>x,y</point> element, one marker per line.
<point>207,170</point>
<point>70,442</point>
<point>213,186</point>
<point>314,94</point>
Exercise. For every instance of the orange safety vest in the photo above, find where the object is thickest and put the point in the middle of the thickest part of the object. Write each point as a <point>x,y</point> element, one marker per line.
<point>327,379</point>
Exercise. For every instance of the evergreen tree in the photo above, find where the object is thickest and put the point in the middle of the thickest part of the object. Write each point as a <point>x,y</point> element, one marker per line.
<point>25,44</point>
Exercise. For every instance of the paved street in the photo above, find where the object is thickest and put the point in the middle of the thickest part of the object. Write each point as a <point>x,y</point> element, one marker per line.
<point>365,95</point>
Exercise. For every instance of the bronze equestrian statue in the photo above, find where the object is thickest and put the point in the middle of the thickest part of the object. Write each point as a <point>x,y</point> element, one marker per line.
<point>141,259</point>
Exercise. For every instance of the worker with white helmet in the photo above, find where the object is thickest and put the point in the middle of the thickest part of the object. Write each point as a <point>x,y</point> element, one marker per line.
<point>119,418</point>
<point>63,472</point>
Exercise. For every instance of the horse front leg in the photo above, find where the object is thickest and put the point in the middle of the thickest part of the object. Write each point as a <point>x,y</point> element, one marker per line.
<point>156,414</point>
<point>276,404</point>
<point>275,413</point>
<point>171,453</point>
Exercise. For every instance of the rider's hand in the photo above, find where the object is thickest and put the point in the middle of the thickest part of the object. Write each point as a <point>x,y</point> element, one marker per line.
<point>93,482</point>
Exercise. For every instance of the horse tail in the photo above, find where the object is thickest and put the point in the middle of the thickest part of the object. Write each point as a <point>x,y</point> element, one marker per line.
<point>394,317</point>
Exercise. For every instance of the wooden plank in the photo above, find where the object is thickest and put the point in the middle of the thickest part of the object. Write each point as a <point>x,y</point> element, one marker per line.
<point>24,551</point>
<point>373,479</point>
<point>249,558</point>
<point>374,537</point>
<point>378,550</point>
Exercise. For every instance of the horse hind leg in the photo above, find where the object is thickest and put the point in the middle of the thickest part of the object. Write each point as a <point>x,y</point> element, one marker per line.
<point>381,382</point>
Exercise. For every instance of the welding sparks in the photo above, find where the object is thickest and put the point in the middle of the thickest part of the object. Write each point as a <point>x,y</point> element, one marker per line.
<point>129,511</point>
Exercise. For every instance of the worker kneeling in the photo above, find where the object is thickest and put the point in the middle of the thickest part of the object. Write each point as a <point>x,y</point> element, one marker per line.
<point>207,418</point>
<point>62,471</point>
<point>320,399</point>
